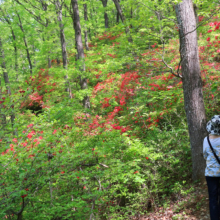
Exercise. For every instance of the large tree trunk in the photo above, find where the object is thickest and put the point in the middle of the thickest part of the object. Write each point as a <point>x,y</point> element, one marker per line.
<point>80,51</point>
<point>25,43</point>
<point>104,3</point>
<point>192,84</point>
<point>86,30</point>
<point>117,18</point>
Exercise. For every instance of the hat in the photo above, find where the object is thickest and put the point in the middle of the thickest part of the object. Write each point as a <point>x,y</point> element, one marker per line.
<point>213,126</point>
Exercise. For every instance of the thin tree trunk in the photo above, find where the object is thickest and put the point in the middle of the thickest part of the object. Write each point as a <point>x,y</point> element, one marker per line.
<point>118,7</point>
<point>192,84</point>
<point>63,44</point>
<point>90,35</point>
<point>15,50</point>
<point>5,73</point>
<point>86,31</point>
<point>2,115</point>
<point>7,85</point>
<point>25,42</point>
<point>119,10</point>
<point>13,37</point>
<point>104,3</point>
<point>62,35</point>
<point>80,51</point>
<point>49,62</point>
<point>58,61</point>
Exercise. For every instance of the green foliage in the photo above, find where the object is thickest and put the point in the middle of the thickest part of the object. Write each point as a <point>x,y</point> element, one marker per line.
<point>126,155</point>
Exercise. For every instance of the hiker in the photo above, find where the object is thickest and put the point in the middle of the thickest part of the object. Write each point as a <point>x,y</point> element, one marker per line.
<point>211,153</point>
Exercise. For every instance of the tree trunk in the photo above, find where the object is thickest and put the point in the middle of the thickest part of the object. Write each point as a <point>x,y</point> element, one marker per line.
<point>49,62</point>
<point>13,38</point>
<point>62,35</point>
<point>6,79</point>
<point>192,85</point>
<point>2,115</point>
<point>117,18</point>
<point>104,3</point>
<point>25,43</point>
<point>119,10</point>
<point>118,7</point>
<point>15,50</point>
<point>80,51</point>
<point>5,73</point>
<point>63,44</point>
<point>86,31</point>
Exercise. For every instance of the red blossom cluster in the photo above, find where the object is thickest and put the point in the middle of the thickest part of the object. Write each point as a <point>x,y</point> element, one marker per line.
<point>215,24</point>
<point>41,84</point>
<point>109,36</point>
<point>201,18</point>
<point>111,55</point>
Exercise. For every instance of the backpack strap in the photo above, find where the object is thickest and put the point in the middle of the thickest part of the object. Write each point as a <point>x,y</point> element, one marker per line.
<point>213,150</point>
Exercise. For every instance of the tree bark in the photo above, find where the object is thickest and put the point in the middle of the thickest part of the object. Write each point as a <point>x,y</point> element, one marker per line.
<point>7,85</point>
<point>121,15</point>
<point>117,18</point>
<point>86,30</point>
<point>15,50</point>
<point>13,39</point>
<point>63,44</point>
<point>104,3</point>
<point>49,62</point>
<point>119,10</point>
<point>5,73</point>
<point>25,43</point>
<point>80,51</point>
<point>192,85</point>
<point>2,115</point>
<point>62,35</point>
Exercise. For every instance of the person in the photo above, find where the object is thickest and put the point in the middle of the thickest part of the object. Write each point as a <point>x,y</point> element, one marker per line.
<point>212,171</point>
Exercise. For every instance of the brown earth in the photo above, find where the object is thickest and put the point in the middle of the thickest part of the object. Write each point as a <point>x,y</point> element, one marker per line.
<point>192,207</point>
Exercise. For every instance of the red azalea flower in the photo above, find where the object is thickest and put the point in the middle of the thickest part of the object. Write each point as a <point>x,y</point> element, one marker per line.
<point>15,140</point>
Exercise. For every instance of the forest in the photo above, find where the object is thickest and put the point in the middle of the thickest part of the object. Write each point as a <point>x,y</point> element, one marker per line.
<point>103,108</point>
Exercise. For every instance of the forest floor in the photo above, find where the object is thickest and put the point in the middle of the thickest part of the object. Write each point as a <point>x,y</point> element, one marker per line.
<point>192,207</point>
